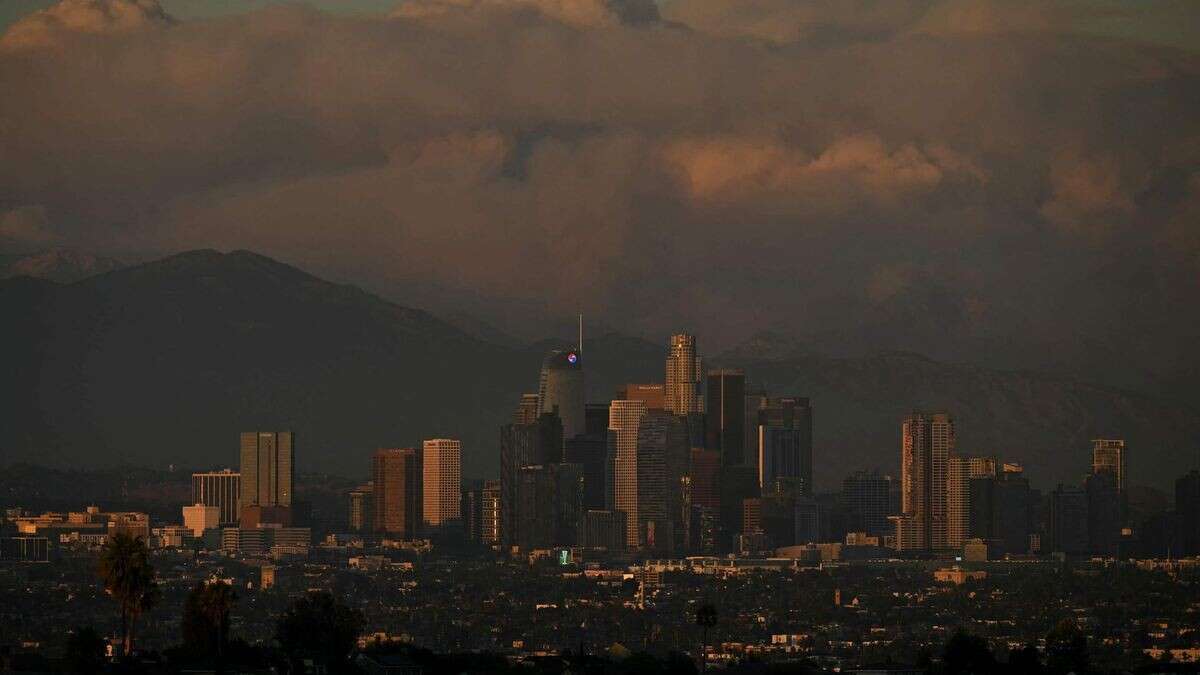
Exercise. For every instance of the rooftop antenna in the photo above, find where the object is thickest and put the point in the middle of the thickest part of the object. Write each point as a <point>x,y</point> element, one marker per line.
<point>580,345</point>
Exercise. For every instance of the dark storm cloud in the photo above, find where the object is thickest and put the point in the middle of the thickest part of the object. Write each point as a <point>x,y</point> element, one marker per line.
<point>927,173</point>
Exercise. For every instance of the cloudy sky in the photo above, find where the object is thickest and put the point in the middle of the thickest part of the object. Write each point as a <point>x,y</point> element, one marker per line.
<point>1002,181</point>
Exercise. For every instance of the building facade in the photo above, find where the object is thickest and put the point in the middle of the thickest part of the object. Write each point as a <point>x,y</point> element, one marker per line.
<point>784,444</point>
<point>561,389</point>
<point>1109,456</point>
<point>221,489</point>
<point>960,471</point>
<point>441,460</point>
<point>927,441</point>
<point>524,445</point>
<point>268,462</point>
<point>685,377</point>
<point>361,507</point>
<point>725,415</point>
<point>396,493</point>
<point>624,419</point>
<point>865,495</point>
<point>662,464</point>
<point>490,520</point>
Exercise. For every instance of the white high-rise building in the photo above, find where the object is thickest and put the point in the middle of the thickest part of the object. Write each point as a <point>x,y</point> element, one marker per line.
<point>624,419</point>
<point>441,481</point>
<point>685,376</point>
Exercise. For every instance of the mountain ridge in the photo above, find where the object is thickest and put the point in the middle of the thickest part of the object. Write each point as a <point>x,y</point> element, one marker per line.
<point>167,361</point>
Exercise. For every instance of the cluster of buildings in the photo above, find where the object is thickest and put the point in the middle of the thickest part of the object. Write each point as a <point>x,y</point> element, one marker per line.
<point>703,463</point>
<point>706,463</point>
<point>253,511</point>
<point>696,463</point>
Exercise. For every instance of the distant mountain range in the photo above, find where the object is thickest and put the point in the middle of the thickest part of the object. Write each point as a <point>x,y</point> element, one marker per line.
<point>167,361</point>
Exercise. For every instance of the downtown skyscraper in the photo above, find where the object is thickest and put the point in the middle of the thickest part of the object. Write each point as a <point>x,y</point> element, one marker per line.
<point>662,463</point>
<point>624,420</point>
<point>685,377</point>
<point>522,445</point>
<point>725,418</point>
<point>784,446</point>
<point>561,390</point>
<point>927,441</point>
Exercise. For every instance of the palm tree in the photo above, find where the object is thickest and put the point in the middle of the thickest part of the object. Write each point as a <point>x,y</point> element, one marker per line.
<point>706,617</point>
<point>129,578</point>
<point>216,601</point>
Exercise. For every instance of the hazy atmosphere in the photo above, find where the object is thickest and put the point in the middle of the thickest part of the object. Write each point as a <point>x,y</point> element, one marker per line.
<point>1014,183</point>
<point>600,337</point>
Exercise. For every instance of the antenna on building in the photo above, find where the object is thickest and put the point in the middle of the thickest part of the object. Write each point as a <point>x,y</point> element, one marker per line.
<point>579,346</point>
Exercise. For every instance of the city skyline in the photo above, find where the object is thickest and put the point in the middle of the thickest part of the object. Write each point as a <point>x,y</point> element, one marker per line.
<point>891,311</point>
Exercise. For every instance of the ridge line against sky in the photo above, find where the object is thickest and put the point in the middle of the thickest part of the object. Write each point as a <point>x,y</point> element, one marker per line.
<point>975,180</point>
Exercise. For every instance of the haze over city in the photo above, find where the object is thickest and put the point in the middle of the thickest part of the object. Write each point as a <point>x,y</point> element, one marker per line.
<point>599,336</point>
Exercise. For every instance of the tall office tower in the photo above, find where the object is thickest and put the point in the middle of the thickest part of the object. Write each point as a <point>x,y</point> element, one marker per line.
<point>1187,510</point>
<point>685,378</point>
<point>725,415</point>
<point>442,481</point>
<point>984,513</point>
<point>220,489</point>
<point>927,441</point>
<point>784,443</point>
<point>489,525</point>
<point>362,502</point>
<point>752,515</point>
<point>561,388</point>
<point>589,452</point>
<point>595,419</point>
<point>1109,455</point>
<point>549,505</point>
<point>662,464</point>
<point>397,492</point>
<point>778,518</point>
<point>959,472</point>
<point>527,410</point>
<point>267,461</point>
<point>705,476</point>
<point>737,484</point>
<point>1067,521</point>
<point>808,521</point>
<point>1103,514</point>
<point>472,509</point>
<point>524,445</point>
<point>603,529</point>
<point>653,394</point>
<point>865,495</point>
<point>756,400</point>
<point>624,418</point>
<point>1016,504</point>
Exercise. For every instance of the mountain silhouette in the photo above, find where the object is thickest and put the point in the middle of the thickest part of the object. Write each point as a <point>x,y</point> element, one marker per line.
<point>166,362</point>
